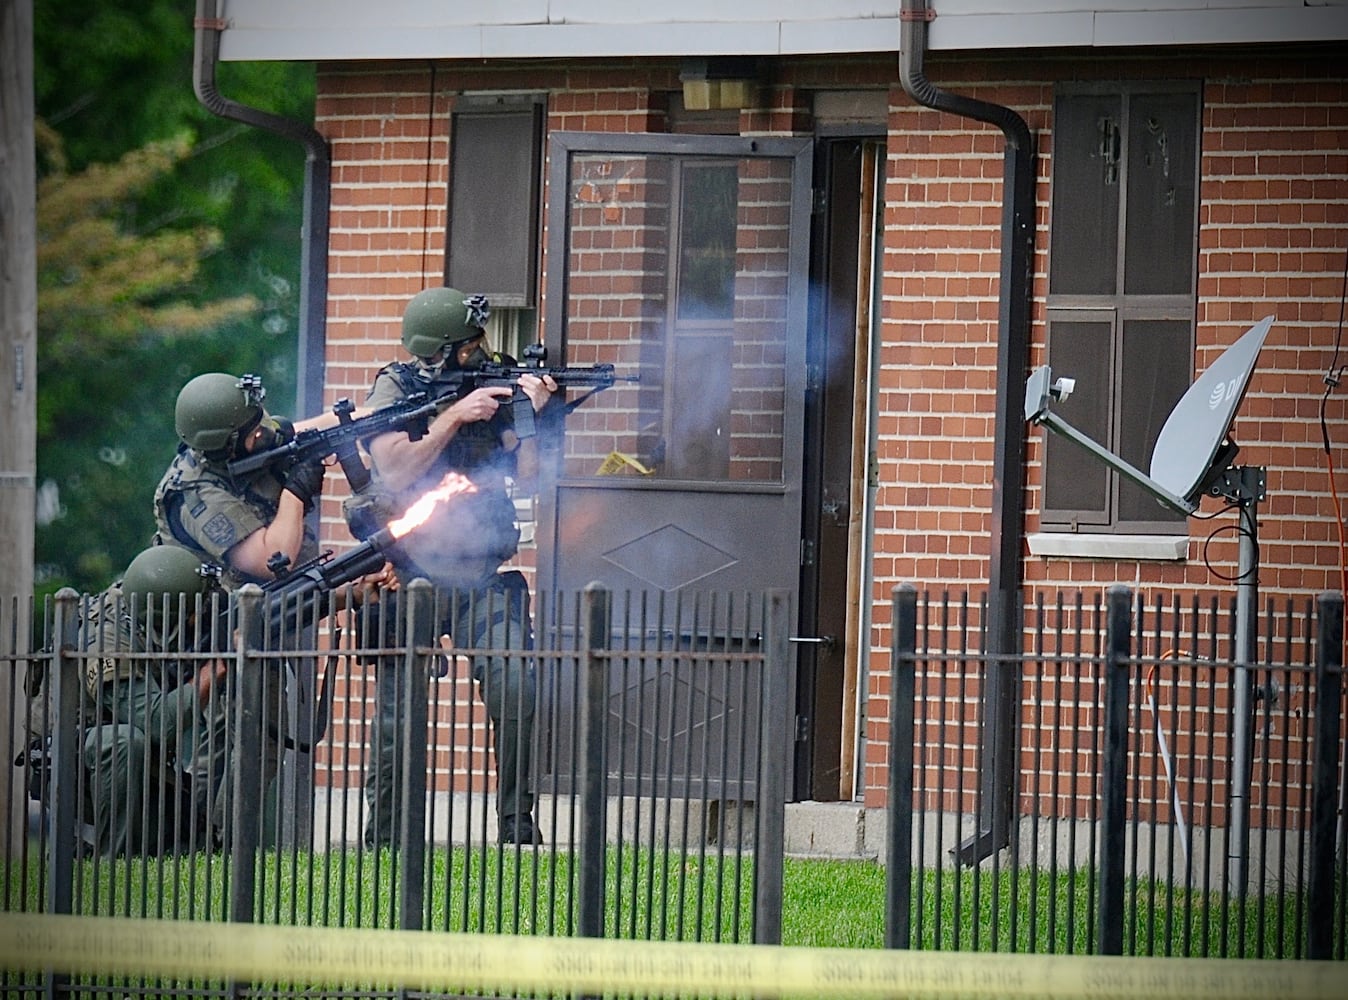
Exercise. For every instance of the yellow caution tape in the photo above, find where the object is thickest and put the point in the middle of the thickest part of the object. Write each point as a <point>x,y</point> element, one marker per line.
<point>267,953</point>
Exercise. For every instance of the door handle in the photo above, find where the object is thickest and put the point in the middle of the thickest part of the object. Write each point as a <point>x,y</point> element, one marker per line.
<point>827,641</point>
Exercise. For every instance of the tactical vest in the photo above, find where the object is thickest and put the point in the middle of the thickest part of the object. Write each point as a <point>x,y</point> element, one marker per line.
<point>224,521</point>
<point>477,450</point>
<point>110,635</point>
<point>467,542</point>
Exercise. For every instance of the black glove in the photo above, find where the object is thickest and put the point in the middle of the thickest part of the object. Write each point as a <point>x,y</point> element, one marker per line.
<point>305,480</point>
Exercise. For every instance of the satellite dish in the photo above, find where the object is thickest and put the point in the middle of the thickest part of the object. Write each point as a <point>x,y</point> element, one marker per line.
<point>1193,448</point>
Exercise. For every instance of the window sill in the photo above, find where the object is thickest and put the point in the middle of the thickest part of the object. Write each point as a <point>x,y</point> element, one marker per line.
<point>1170,548</point>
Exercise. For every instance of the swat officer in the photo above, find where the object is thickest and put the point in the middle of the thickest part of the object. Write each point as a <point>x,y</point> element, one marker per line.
<point>144,703</point>
<point>239,523</point>
<point>462,553</point>
<point>253,526</point>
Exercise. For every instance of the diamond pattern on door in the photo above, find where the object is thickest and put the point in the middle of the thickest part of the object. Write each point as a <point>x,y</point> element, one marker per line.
<point>669,558</point>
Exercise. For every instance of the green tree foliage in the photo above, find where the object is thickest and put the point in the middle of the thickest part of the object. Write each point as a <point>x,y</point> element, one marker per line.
<point>169,245</point>
<point>102,288</point>
<point>109,300</point>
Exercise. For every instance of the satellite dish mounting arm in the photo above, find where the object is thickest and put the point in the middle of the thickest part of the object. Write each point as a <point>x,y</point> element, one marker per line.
<point>1041,391</point>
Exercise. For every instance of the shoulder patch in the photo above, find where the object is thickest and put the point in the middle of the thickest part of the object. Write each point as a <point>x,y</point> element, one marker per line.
<point>220,530</point>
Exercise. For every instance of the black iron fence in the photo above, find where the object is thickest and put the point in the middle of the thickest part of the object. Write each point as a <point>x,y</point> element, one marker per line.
<point>1167,796</point>
<point>658,816</point>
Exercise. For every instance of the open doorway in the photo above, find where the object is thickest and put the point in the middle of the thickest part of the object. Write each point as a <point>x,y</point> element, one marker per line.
<point>839,466</point>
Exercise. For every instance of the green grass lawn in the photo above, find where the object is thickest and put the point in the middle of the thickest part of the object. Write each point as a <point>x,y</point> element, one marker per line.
<point>655,896</point>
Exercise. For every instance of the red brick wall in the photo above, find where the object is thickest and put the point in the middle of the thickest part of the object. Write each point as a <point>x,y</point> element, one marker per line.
<point>1273,231</point>
<point>1274,196</point>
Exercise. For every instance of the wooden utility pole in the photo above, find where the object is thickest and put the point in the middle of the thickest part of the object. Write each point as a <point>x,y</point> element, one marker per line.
<point>18,384</point>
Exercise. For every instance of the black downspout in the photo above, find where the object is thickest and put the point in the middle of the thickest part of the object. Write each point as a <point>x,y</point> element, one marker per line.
<point>996,794</point>
<point>317,191</point>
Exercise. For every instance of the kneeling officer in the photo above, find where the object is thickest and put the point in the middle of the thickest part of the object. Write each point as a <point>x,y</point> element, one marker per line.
<point>145,707</point>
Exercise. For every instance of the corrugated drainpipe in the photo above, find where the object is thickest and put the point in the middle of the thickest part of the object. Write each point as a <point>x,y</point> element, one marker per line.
<point>996,788</point>
<point>317,190</point>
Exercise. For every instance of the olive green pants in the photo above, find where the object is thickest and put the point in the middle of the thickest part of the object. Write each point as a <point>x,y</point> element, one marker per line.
<point>494,618</point>
<point>134,782</point>
<point>215,755</point>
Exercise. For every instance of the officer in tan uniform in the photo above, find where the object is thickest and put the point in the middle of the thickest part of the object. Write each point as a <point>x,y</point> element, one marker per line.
<point>253,526</point>
<point>239,523</point>
<point>463,551</point>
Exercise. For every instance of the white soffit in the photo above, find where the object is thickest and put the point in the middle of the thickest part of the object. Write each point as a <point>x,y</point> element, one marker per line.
<point>317,30</point>
<point>1228,23</point>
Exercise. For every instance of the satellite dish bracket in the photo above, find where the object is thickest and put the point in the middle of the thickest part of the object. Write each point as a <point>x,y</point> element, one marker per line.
<point>1041,390</point>
<point>1241,484</point>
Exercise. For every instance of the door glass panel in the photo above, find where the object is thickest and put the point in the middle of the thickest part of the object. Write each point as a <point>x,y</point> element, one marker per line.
<point>677,273</point>
<point>706,278</point>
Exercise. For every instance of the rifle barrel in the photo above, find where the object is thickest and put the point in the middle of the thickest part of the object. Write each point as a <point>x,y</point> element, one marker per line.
<point>296,599</point>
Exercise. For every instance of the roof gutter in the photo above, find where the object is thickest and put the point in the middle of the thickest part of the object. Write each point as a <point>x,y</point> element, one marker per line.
<point>208,26</point>
<point>996,772</point>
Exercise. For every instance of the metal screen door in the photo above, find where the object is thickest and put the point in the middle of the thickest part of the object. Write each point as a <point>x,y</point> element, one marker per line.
<point>682,260</point>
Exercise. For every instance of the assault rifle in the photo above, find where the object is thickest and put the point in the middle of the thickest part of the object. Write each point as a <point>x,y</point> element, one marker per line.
<point>412,414</point>
<point>293,601</point>
<point>593,377</point>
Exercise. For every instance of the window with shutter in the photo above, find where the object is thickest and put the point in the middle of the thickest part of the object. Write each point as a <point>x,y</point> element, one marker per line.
<point>1121,299</point>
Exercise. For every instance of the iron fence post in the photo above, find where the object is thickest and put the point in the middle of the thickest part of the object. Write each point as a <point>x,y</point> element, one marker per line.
<point>902,691</point>
<point>66,754</point>
<point>1324,775</point>
<point>415,722</point>
<point>778,731</point>
<point>64,794</point>
<point>245,729</point>
<point>593,791</point>
<point>1114,770</point>
<point>245,768</point>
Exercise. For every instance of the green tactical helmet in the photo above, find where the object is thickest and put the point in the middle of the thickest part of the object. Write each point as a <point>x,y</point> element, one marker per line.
<point>213,408</point>
<point>160,571</point>
<point>441,318</point>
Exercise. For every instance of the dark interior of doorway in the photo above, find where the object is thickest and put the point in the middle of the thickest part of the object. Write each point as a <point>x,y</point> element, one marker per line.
<point>822,689</point>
